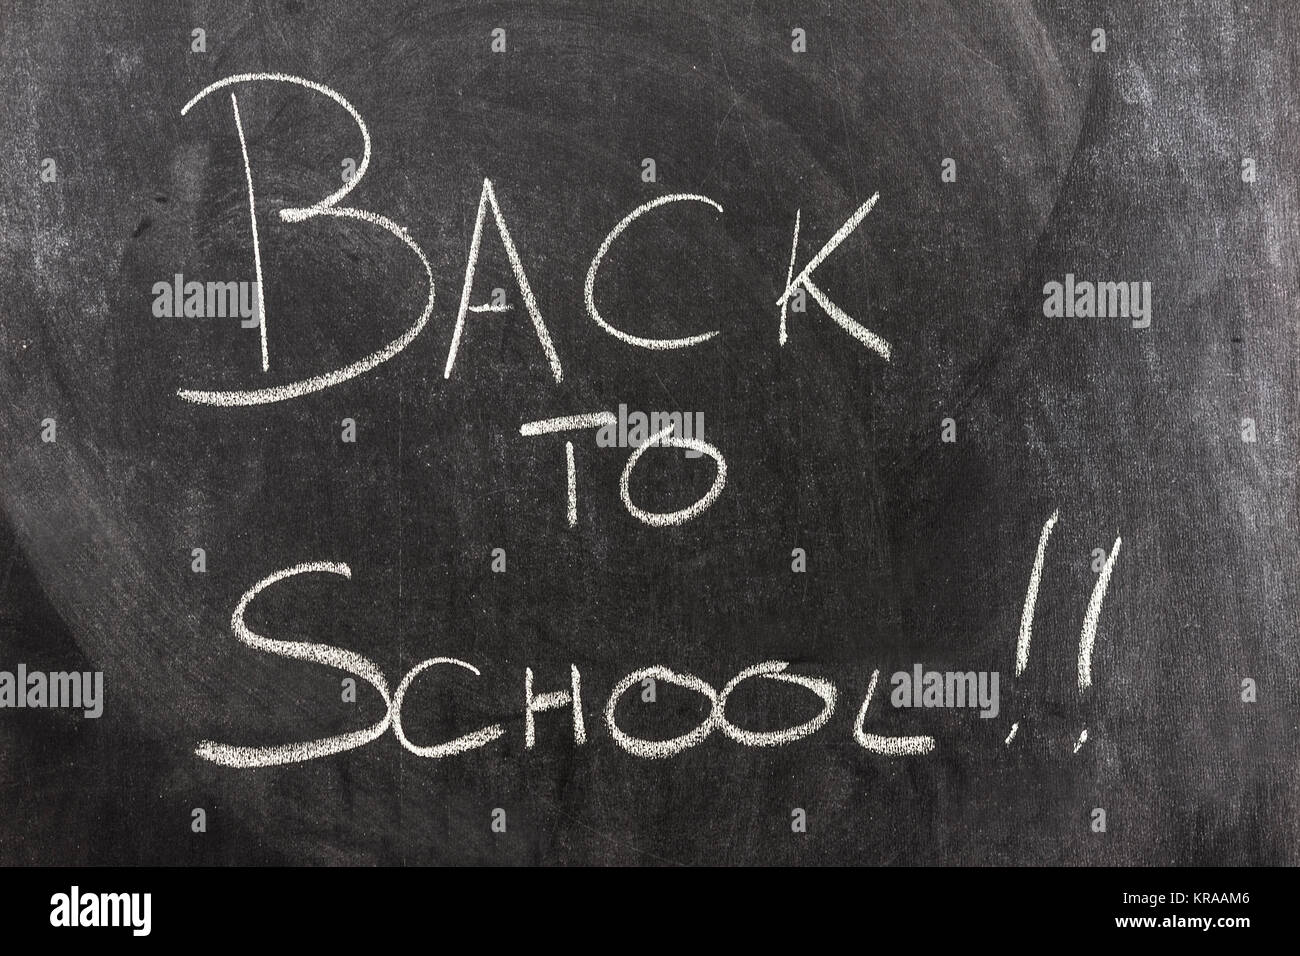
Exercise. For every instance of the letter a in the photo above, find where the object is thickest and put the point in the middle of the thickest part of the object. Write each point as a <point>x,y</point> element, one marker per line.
<point>488,197</point>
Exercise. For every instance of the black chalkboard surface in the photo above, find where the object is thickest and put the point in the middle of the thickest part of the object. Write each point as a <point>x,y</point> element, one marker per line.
<point>335,336</point>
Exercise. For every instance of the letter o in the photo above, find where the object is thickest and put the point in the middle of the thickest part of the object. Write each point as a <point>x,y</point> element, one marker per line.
<point>665,439</point>
<point>655,749</point>
<point>773,670</point>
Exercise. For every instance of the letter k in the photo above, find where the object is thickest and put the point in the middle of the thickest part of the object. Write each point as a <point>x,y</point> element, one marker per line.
<point>804,279</point>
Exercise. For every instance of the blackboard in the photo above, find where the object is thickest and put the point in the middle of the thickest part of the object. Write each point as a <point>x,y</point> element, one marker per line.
<point>921,435</point>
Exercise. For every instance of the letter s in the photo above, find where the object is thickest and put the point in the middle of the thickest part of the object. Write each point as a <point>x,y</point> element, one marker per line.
<point>229,755</point>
